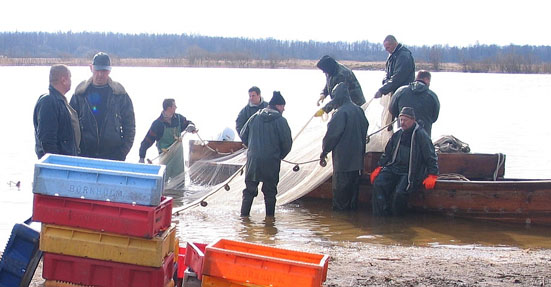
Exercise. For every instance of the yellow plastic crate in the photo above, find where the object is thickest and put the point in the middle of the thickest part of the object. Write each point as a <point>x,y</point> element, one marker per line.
<point>209,281</point>
<point>107,246</point>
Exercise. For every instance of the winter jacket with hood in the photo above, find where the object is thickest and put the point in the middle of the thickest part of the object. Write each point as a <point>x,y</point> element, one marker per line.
<point>346,133</point>
<point>424,102</point>
<point>246,113</point>
<point>118,128</point>
<point>268,139</point>
<point>400,70</point>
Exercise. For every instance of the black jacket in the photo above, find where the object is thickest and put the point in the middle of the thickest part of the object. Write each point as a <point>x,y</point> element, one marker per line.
<point>268,139</point>
<point>424,102</point>
<point>53,130</point>
<point>246,113</point>
<point>346,133</point>
<point>341,74</point>
<point>157,130</point>
<point>400,70</point>
<point>422,161</point>
<point>118,128</point>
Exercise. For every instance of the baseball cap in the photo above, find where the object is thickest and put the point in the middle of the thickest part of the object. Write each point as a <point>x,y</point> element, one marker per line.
<point>102,62</point>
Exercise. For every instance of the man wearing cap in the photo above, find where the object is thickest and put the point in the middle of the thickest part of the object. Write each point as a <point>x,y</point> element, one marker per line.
<point>105,112</point>
<point>338,73</point>
<point>268,139</point>
<point>409,157</point>
<point>256,103</point>
<point>418,96</point>
<point>346,139</point>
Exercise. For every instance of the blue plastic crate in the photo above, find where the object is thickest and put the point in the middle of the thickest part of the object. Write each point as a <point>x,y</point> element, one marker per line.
<point>20,257</point>
<point>99,179</point>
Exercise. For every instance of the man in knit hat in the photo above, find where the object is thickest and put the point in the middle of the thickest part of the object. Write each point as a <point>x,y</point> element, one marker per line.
<point>409,157</point>
<point>268,139</point>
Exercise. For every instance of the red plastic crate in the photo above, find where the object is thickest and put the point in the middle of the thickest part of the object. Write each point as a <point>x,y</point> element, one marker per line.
<point>119,218</point>
<point>86,271</point>
<point>264,265</point>
<point>195,256</point>
<point>181,262</point>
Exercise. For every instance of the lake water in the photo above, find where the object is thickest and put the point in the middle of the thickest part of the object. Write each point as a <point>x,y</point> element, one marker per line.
<point>491,112</point>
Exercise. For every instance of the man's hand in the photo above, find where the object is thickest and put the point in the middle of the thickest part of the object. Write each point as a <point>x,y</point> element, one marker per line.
<point>378,94</point>
<point>191,129</point>
<point>430,181</point>
<point>142,160</point>
<point>319,113</point>
<point>322,97</point>
<point>375,173</point>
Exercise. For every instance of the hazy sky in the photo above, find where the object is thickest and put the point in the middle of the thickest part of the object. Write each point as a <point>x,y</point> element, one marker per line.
<point>457,23</point>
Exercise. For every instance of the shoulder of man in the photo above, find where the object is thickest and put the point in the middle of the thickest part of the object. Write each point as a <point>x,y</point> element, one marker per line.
<point>117,87</point>
<point>81,88</point>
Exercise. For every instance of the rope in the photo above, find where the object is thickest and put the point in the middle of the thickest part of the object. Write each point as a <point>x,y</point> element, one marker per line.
<point>205,143</point>
<point>381,129</point>
<point>499,164</point>
<point>452,176</point>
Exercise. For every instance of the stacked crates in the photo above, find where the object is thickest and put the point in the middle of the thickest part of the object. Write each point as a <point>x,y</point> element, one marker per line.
<point>104,223</point>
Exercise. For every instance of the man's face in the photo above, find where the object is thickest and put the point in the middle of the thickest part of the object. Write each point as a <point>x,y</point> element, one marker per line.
<point>254,98</point>
<point>280,108</point>
<point>389,47</point>
<point>99,77</point>
<point>66,81</point>
<point>406,122</point>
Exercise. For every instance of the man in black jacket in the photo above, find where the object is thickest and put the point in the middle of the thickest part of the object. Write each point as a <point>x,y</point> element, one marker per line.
<point>346,139</point>
<point>400,67</point>
<point>409,157</point>
<point>105,112</point>
<point>256,103</point>
<point>268,139</point>
<point>418,96</point>
<point>56,127</point>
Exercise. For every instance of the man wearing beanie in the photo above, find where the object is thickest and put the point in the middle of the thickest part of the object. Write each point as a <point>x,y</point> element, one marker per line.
<point>337,73</point>
<point>409,159</point>
<point>268,139</point>
<point>346,139</point>
<point>256,103</point>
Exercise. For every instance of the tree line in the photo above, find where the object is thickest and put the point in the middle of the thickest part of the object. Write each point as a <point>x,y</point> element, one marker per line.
<point>197,49</point>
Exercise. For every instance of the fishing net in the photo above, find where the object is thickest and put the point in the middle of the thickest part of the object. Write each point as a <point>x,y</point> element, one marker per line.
<point>222,178</point>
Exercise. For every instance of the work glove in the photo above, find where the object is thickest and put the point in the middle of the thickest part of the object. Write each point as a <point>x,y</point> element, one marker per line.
<point>323,161</point>
<point>378,94</point>
<point>430,181</point>
<point>322,97</point>
<point>319,113</point>
<point>323,155</point>
<point>191,129</point>
<point>375,173</point>
<point>142,160</point>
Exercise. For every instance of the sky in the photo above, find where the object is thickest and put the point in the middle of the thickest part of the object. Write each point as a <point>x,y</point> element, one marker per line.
<point>423,22</point>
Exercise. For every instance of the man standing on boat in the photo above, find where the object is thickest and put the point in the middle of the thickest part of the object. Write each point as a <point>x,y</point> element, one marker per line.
<point>418,96</point>
<point>346,139</point>
<point>268,139</point>
<point>56,128</point>
<point>105,112</point>
<point>166,129</point>
<point>256,103</point>
<point>409,157</point>
<point>336,73</point>
<point>400,67</point>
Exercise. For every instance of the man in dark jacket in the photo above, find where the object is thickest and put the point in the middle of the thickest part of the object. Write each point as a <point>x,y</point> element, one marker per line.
<point>166,129</point>
<point>268,139</point>
<point>337,73</point>
<point>105,112</point>
<point>256,103</point>
<point>400,67</point>
<point>56,128</point>
<point>409,157</point>
<point>346,138</point>
<point>418,96</point>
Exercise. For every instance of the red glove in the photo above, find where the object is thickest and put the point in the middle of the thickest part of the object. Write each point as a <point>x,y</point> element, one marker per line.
<point>375,173</point>
<point>430,181</point>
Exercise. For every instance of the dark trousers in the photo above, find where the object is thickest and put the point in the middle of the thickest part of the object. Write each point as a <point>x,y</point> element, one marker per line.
<point>346,187</point>
<point>389,195</point>
<point>251,191</point>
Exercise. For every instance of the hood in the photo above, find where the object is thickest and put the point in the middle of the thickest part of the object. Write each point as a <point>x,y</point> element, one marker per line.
<point>341,95</point>
<point>268,114</point>
<point>418,87</point>
<point>327,64</point>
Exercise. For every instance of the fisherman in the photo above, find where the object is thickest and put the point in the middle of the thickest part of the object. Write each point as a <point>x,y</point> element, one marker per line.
<point>418,96</point>
<point>400,67</point>
<point>105,112</point>
<point>56,127</point>
<point>256,103</point>
<point>409,157</point>
<point>346,139</point>
<point>337,73</point>
<point>268,139</point>
<point>166,129</point>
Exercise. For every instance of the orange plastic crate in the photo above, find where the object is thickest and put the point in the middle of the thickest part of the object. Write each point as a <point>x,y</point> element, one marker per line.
<point>181,262</point>
<point>264,265</point>
<point>209,281</point>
